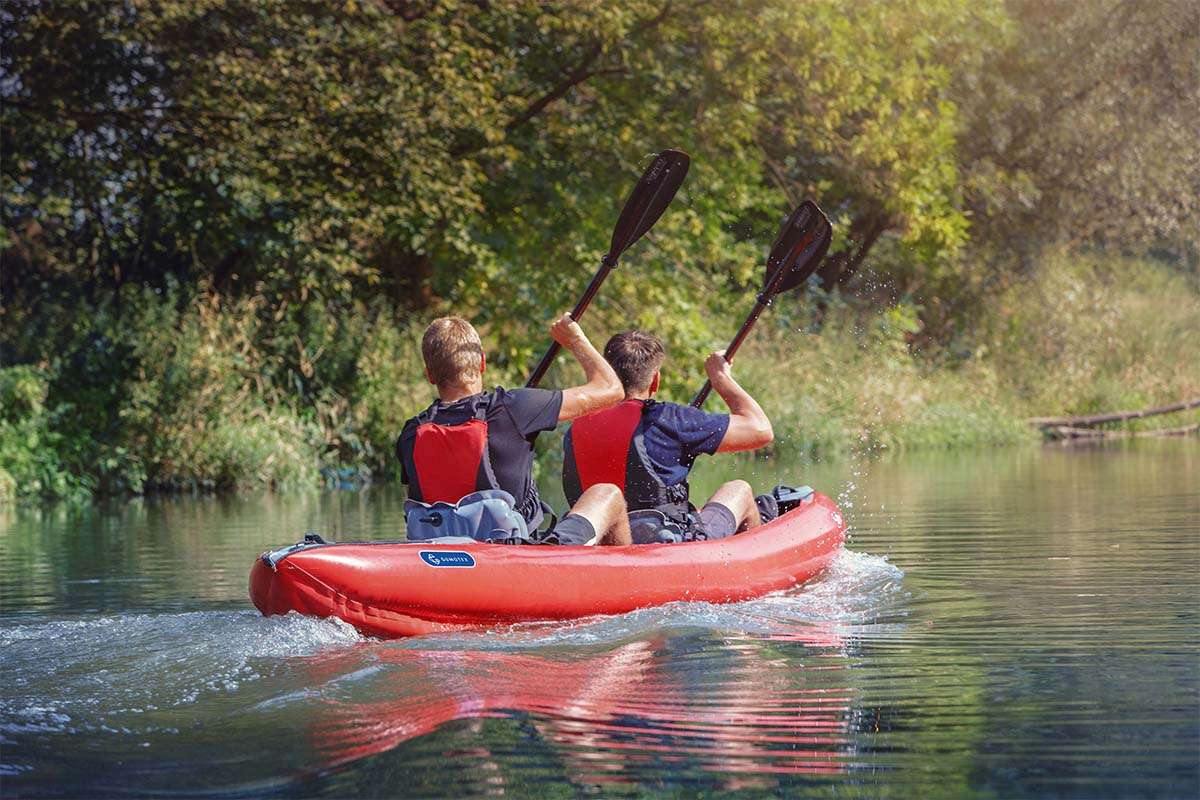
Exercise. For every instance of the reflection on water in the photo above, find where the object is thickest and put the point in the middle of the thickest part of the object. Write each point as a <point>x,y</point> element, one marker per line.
<point>609,716</point>
<point>1013,623</point>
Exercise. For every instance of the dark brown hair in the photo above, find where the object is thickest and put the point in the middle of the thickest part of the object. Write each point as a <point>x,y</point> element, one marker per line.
<point>635,357</point>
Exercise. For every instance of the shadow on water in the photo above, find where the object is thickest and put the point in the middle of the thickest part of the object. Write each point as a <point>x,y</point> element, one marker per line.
<point>1011,623</point>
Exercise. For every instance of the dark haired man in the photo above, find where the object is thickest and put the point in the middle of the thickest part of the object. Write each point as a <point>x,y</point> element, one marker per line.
<point>647,448</point>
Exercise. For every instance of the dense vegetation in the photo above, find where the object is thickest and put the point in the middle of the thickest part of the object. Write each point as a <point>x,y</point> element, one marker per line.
<point>224,223</point>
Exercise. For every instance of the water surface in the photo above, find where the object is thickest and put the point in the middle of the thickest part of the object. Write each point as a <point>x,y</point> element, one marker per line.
<point>1004,623</point>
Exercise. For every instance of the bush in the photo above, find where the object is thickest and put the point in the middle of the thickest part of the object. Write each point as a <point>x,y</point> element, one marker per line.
<point>30,461</point>
<point>389,388</point>
<point>856,387</point>
<point>166,393</point>
<point>1087,334</point>
<point>1093,333</point>
<point>202,408</point>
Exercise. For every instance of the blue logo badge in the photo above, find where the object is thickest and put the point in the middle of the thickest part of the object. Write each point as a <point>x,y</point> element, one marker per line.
<point>447,558</point>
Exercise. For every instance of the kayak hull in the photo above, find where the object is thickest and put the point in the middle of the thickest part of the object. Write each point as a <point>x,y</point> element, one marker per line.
<point>406,589</point>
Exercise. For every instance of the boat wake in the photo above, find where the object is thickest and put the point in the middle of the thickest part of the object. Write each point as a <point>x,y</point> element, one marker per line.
<point>139,684</point>
<point>858,594</point>
<point>118,665</point>
<point>78,674</point>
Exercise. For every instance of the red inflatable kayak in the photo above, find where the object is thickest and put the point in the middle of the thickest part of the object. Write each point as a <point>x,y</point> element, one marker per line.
<point>404,589</point>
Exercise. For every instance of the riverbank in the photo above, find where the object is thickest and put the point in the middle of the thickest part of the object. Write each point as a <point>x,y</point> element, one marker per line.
<point>1088,334</point>
<point>164,392</point>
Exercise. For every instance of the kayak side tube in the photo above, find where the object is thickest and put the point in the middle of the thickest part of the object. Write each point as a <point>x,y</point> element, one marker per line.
<point>405,589</point>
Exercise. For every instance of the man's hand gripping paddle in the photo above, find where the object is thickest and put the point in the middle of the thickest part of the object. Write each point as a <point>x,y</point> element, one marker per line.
<point>646,203</point>
<point>796,254</point>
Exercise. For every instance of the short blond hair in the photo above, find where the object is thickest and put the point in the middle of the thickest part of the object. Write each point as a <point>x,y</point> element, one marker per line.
<point>452,351</point>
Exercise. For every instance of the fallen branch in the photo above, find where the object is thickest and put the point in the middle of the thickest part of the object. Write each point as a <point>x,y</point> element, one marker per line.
<point>1070,433</point>
<point>1116,416</point>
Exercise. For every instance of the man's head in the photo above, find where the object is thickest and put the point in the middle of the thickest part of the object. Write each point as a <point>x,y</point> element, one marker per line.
<point>636,357</point>
<point>453,353</point>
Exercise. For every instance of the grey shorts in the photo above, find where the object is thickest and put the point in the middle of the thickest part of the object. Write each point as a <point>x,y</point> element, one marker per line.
<point>716,521</point>
<point>573,529</point>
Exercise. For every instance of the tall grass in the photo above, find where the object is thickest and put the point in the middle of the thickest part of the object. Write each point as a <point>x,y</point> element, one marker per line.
<point>1086,334</point>
<point>856,387</point>
<point>1093,333</point>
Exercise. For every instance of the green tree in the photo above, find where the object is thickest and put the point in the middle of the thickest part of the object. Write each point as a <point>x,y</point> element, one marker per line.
<point>1081,127</point>
<point>856,110</point>
<point>222,213</point>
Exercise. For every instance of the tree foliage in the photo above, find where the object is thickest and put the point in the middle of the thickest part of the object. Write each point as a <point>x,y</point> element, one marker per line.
<point>310,171</point>
<point>1083,126</point>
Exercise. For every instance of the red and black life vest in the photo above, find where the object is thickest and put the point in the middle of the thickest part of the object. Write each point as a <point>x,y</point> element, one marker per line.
<point>445,454</point>
<point>610,447</point>
<point>444,461</point>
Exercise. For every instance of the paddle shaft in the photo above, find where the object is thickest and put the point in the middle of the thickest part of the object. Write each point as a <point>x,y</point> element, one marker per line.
<point>764,300</point>
<point>606,266</point>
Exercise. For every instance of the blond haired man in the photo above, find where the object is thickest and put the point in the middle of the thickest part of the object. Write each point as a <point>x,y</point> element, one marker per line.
<point>471,441</point>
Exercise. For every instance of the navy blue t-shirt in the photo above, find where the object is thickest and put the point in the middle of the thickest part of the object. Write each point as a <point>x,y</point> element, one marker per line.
<point>676,434</point>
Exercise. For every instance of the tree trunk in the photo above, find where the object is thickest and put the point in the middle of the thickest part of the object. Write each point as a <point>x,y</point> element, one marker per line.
<point>407,276</point>
<point>876,228</point>
<point>1115,416</point>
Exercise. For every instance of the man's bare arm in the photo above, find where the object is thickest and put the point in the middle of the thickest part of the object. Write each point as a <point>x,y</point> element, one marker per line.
<point>749,428</point>
<point>602,388</point>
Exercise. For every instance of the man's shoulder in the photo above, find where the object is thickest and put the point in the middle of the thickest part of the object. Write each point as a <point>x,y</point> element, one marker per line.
<point>663,407</point>
<point>501,396</point>
<point>412,422</point>
<point>525,406</point>
<point>669,412</point>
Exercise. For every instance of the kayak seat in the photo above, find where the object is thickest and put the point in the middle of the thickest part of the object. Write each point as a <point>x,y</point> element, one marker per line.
<point>788,497</point>
<point>781,500</point>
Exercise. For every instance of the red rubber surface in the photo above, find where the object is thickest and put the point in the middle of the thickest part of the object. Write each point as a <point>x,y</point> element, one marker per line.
<point>389,590</point>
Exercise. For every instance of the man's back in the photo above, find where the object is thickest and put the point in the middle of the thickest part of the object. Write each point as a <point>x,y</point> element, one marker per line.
<point>642,446</point>
<point>511,419</point>
<point>648,448</point>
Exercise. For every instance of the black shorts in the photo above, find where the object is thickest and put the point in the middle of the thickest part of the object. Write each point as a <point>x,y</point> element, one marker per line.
<point>573,529</point>
<point>715,521</point>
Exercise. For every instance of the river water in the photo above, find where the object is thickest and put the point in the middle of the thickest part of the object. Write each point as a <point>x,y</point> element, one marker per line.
<point>1003,623</point>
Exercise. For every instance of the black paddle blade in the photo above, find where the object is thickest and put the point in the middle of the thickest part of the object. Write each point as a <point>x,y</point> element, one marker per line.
<point>799,248</point>
<point>648,200</point>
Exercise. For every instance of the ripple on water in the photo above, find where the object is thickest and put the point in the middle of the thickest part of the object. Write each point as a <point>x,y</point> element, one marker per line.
<point>69,675</point>
<point>77,674</point>
<point>1041,640</point>
<point>629,685</point>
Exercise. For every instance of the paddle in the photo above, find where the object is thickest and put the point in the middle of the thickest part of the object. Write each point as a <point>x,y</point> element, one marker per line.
<point>646,203</point>
<point>798,250</point>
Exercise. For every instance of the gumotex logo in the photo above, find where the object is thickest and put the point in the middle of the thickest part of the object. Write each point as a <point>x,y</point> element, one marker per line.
<point>447,558</point>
